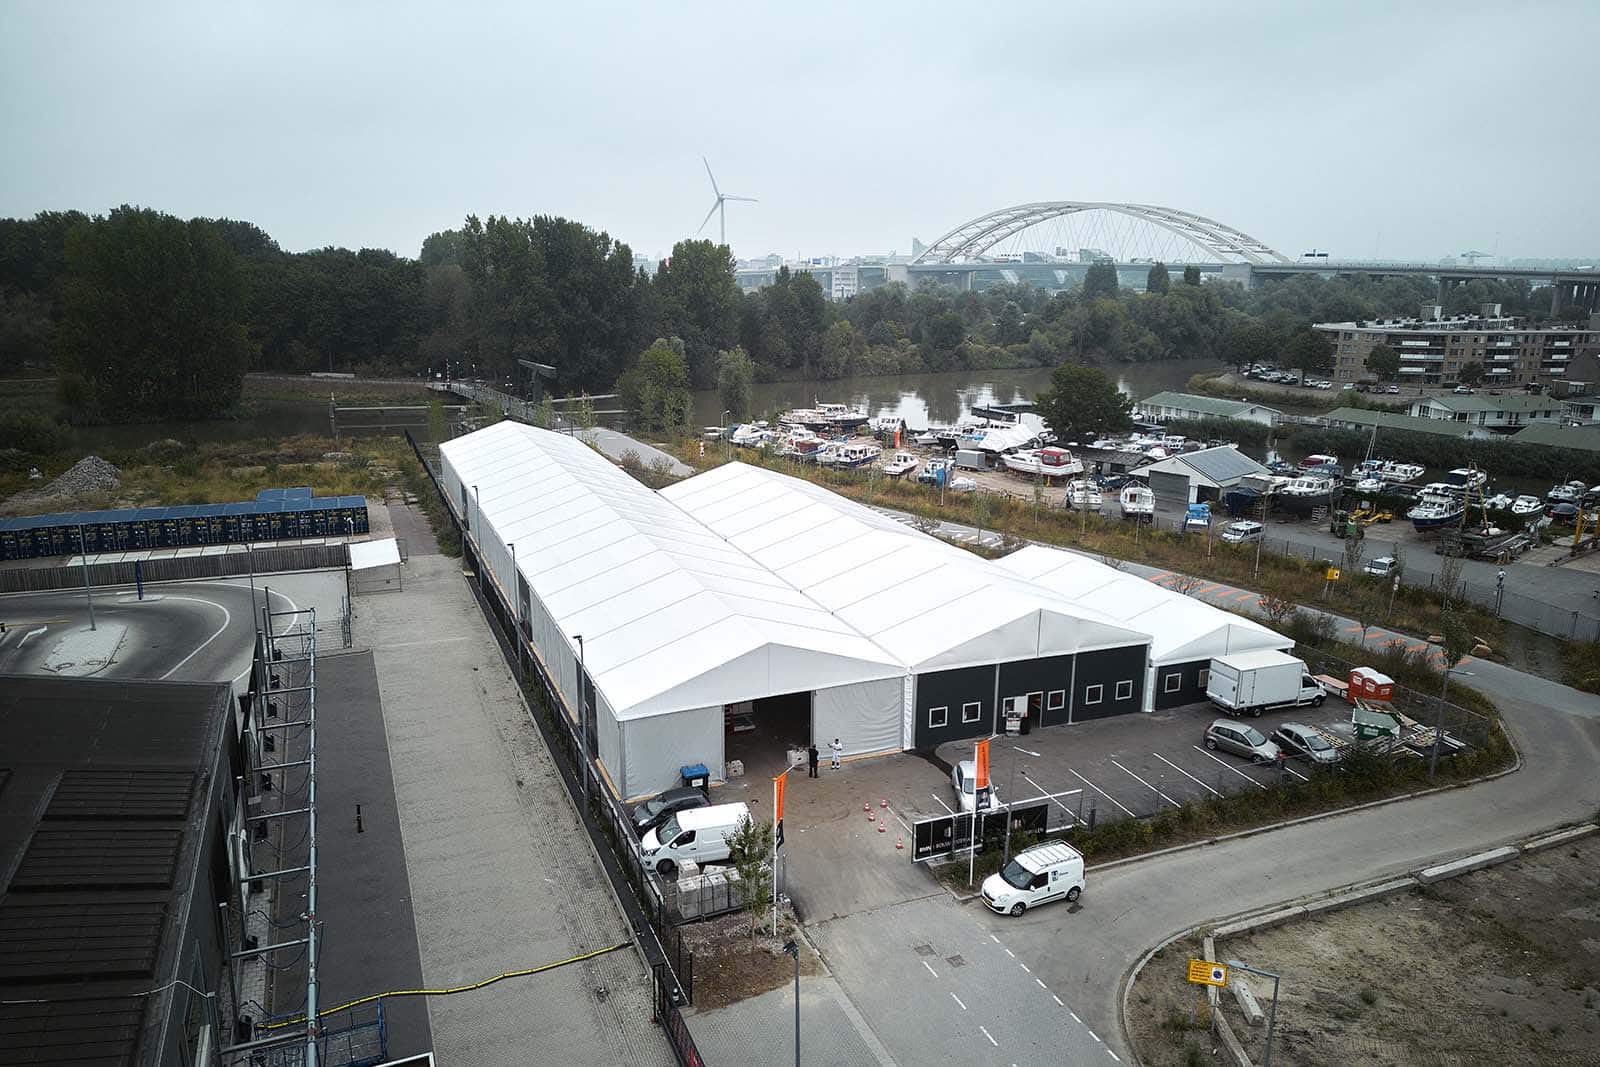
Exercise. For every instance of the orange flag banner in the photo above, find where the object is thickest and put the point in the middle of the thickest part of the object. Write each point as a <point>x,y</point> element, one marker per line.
<point>982,781</point>
<point>777,795</point>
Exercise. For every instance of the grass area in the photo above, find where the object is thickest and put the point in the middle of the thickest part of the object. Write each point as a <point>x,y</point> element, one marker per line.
<point>1580,665</point>
<point>348,391</point>
<point>1317,400</point>
<point>1288,580</point>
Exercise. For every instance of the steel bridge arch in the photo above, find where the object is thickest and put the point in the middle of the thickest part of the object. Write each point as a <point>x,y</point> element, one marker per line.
<point>972,240</point>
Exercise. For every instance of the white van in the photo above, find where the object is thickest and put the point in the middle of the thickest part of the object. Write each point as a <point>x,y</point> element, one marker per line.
<point>1052,871</point>
<point>699,834</point>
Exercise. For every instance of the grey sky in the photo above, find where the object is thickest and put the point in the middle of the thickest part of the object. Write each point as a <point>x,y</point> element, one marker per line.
<point>1408,129</point>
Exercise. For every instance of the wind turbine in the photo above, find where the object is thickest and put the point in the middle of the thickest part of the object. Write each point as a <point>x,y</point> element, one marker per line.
<point>717,208</point>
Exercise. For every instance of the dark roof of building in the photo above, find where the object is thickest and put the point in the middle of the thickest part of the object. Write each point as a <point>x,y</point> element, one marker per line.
<point>103,788</point>
<point>1223,464</point>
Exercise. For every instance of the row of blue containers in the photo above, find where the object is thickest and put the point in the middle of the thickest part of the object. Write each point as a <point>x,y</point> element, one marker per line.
<point>275,515</point>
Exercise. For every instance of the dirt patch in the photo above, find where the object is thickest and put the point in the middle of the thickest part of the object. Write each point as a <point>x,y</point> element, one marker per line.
<point>729,966</point>
<point>1169,1020</point>
<point>1501,966</point>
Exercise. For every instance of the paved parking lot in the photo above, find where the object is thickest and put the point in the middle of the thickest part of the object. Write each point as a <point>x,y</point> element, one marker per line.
<point>1132,766</point>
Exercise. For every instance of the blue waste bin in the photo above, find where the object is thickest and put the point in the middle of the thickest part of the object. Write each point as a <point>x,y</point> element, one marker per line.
<point>696,776</point>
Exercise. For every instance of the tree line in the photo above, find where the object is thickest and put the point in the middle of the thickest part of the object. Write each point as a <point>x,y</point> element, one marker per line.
<point>145,315</point>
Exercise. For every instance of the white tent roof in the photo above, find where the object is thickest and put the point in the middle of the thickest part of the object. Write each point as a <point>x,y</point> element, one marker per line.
<point>365,555</point>
<point>1181,628</point>
<point>673,616</point>
<point>929,604</point>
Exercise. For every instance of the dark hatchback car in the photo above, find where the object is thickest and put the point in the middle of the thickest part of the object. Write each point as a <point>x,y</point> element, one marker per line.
<point>653,812</point>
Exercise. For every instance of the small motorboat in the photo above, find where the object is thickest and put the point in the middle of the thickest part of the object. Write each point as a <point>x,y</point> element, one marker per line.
<point>1083,495</point>
<point>902,463</point>
<point>1526,505</point>
<point>935,473</point>
<point>1138,502</point>
<point>1500,502</point>
<point>1044,463</point>
<point>1435,510</point>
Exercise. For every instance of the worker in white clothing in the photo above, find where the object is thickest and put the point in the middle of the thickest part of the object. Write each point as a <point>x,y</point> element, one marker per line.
<point>837,749</point>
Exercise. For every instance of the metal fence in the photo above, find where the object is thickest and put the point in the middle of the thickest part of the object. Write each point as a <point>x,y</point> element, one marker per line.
<point>176,568</point>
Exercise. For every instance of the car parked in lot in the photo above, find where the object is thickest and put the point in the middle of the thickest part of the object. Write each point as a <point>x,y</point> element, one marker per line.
<point>1241,740</point>
<point>655,811</point>
<point>1051,871</point>
<point>964,779</point>
<point>1300,740</point>
<point>1382,566</point>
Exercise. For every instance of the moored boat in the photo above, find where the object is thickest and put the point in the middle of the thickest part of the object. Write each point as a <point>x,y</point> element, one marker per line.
<point>901,463</point>
<point>1526,505</point>
<point>1043,462</point>
<point>1301,495</point>
<point>1435,510</point>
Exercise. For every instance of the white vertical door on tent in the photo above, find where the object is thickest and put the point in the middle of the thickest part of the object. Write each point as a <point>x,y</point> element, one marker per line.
<point>865,716</point>
<point>908,724</point>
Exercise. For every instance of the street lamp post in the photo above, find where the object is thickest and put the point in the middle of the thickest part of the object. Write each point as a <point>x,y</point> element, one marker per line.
<point>83,554</point>
<point>1499,590</point>
<point>793,949</point>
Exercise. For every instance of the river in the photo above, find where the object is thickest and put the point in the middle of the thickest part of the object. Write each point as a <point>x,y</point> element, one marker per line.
<point>922,399</point>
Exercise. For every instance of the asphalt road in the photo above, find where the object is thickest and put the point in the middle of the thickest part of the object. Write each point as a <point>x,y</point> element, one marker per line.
<point>197,631</point>
<point>1053,978</point>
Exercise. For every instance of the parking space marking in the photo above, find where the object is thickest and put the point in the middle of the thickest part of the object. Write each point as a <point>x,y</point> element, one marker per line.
<point>958,1001</point>
<point>947,808</point>
<point>1102,792</point>
<point>1294,772</point>
<point>1053,797</point>
<point>1141,781</point>
<point>1185,773</point>
<point>990,1036</point>
<point>1228,765</point>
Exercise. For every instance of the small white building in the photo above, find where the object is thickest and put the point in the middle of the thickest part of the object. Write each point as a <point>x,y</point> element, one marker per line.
<point>1165,406</point>
<point>1506,413</point>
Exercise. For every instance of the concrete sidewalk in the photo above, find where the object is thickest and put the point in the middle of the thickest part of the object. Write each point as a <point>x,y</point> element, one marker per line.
<point>502,873</point>
<point>760,1029</point>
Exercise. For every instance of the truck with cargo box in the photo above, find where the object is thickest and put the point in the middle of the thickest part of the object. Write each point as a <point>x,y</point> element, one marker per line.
<point>1249,683</point>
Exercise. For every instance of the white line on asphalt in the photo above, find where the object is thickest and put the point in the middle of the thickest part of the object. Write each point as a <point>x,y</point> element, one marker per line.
<point>1296,773</point>
<point>1102,792</point>
<point>1053,797</point>
<point>1093,1035</point>
<point>1142,782</point>
<point>31,633</point>
<point>930,969</point>
<point>1074,1016</point>
<point>1042,985</point>
<point>1059,1002</point>
<point>995,939</point>
<point>227,621</point>
<point>1028,752</point>
<point>958,1001</point>
<point>899,820</point>
<point>990,1036</point>
<point>1115,1056</point>
<point>1024,966</point>
<point>1185,773</point>
<point>948,809</point>
<point>1228,765</point>
<point>1013,955</point>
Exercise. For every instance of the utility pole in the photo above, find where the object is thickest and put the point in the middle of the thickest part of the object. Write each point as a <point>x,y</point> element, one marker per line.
<point>83,554</point>
<point>793,949</point>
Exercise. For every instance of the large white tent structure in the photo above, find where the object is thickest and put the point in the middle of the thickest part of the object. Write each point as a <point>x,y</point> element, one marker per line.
<point>1185,633</point>
<point>676,623</point>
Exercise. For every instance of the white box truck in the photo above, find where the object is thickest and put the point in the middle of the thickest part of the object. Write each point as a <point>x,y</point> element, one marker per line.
<point>1248,683</point>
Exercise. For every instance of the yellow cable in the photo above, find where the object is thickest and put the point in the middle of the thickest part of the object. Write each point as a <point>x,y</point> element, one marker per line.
<point>457,989</point>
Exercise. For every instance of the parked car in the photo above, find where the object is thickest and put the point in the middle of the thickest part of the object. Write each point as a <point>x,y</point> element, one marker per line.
<point>1463,390</point>
<point>1241,740</point>
<point>655,811</point>
<point>1347,386</point>
<point>1391,389</point>
<point>1299,740</point>
<point>1238,533</point>
<point>963,485</point>
<point>964,779</point>
<point>1382,567</point>
<point>1052,871</point>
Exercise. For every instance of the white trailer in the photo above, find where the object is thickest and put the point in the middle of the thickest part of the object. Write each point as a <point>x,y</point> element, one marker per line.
<point>1248,683</point>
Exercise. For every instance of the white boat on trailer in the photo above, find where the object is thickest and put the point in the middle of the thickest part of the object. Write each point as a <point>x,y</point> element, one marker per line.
<point>1042,462</point>
<point>901,464</point>
<point>1138,502</point>
<point>1083,495</point>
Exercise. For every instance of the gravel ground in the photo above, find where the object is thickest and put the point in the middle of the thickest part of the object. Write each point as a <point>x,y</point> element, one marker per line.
<point>89,475</point>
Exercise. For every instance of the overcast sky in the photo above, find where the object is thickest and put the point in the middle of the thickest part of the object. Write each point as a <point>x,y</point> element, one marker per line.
<point>1410,130</point>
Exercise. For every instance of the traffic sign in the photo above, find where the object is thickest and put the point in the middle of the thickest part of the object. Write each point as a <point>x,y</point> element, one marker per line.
<point>1333,574</point>
<point>1205,972</point>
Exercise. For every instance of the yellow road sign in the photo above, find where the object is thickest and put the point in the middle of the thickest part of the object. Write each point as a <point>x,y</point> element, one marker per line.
<point>1333,574</point>
<point>1204,972</point>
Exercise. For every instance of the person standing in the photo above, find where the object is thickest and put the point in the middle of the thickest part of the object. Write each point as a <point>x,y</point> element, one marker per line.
<point>837,750</point>
<point>811,756</point>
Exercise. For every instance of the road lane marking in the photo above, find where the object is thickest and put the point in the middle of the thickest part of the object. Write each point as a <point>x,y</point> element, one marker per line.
<point>1074,1016</point>
<point>1097,789</point>
<point>1142,782</point>
<point>990,1036</point>
<point>1185,773</point>
<point>958,1001</point>
<point>1013,955</point>
<point>1024,966</point>
<point>1042,986</point>
<point>930,969</point>
<point>1059,1002</point>
<point>995,939</point>
<point>1093,1035</point>
<point>1228,765</point>
<point>31,634</point>
<point>1115,1056</point>
<point>227,621</point>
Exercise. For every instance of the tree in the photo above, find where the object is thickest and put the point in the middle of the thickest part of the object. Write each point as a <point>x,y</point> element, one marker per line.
<point>1384,362</point>
<point>1157,281</point>
<point>735,373</point>
<point>700,303</point>
<point>1247,341</point>
<point>1277,607</point>
<point>1101,280</point>
<point>656,390</point>
<point>840,346</point>
<point>1191,275</point>
<point>152,325</point>
<point>1455,641</point>
<point>1470,374</point>
<point>750,852</point>
<point>1081,403</point>
<point>1308,352</point>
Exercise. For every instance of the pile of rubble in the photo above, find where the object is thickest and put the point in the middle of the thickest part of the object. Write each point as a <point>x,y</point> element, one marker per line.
<point>88,476</point>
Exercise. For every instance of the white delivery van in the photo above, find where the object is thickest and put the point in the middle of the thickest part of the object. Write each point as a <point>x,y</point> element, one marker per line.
<point>1052,871</point>
<point>1248,683</point>
<point>699,834</point>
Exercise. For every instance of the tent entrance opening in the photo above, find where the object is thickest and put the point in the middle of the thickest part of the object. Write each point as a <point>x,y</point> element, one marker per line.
<point>762,732</point>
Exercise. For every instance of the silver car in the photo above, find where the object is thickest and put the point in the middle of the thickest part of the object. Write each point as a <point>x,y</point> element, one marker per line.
<point>1241,740</point>
<point>963,778</point>
<point>1297,739</point>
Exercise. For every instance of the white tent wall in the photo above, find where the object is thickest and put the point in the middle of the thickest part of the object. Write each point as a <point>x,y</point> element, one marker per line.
<point>610,744</point>
<point>866,717</point>
<point>657,745</point>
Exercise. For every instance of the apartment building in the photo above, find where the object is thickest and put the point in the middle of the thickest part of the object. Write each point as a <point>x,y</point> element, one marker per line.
<point>1434,347</point>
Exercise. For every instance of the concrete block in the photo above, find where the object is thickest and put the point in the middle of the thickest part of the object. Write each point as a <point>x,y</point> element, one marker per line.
<point>690,869</point>
<point>1259,922</point>
<point>1360,896</point>
<point>716,893</point>
<point>1208,945</point>
<point>1560,837</point>
<point>1247,1000</point>
<point>734,769</point>
<point>1470,863</point>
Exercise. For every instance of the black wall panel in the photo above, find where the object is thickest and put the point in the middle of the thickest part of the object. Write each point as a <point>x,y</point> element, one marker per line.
<point>1109,669</point>
<point>953,689</point>
<point>1045,676</point>
<point>1189,688</point>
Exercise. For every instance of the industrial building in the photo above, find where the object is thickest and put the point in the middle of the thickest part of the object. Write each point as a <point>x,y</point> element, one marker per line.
<point>116,801</point>
<point>743,596</point>
<point>1204,475</point>
<point>1165,406</point>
